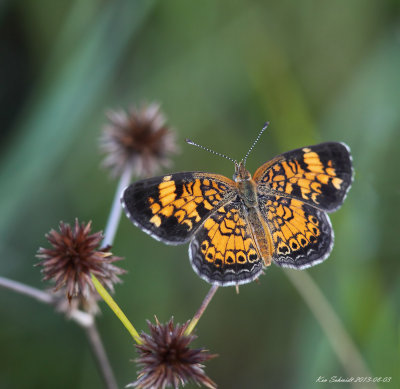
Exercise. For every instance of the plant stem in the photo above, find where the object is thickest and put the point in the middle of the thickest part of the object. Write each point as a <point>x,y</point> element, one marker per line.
<point>101,356</point>
<point>91,331</point>
<point>340,340</point>
<point>84,319</point>
<point>115,214</point>
<point>109,235</point>
<point>201,310</point>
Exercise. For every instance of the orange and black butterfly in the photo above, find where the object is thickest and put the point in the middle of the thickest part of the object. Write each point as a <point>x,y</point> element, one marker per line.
<point>238,227</point>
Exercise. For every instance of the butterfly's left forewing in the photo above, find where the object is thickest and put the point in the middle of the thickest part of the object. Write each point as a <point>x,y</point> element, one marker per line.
<point>171,208</point>
<point>319,175</point>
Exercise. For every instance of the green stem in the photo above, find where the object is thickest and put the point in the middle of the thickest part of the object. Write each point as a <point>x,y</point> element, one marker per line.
<point>341,342</point>
<point>116,309</point>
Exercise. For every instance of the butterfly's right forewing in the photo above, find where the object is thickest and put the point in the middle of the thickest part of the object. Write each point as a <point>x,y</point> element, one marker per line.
<point>171,208</point>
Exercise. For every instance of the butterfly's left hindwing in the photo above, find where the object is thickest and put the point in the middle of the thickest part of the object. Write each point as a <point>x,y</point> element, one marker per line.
<point>172,207</point>
<point>302,235</point>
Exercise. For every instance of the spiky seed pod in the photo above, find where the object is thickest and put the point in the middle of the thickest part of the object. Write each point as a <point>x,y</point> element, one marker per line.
<point>73,257</point>
<point>166,360</point>
<point>138,138</point>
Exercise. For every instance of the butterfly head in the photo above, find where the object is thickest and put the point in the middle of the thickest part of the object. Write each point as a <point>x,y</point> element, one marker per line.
<point>241,174</point>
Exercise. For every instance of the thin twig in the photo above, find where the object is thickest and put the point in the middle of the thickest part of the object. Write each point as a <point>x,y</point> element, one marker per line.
<point>101,356</point>
<point>341,342</point>
<point>201,310</point>
<point>80,317</point>
<point>21,288</point>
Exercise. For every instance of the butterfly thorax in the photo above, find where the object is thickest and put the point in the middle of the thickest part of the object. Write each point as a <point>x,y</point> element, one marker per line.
<point>246,185</point>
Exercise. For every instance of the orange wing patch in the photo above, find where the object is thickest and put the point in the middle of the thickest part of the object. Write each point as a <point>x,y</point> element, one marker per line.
<point>301,234</point>
<point>228,241</point>
<point>293,228</point>
<point>224,250</point>
<point>306,182</point>
<point>188,204</point>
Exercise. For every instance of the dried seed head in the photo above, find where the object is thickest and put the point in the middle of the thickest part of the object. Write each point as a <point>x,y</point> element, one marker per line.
<point>74,256</point>
<point>167,361</point>
<point>138,138</point>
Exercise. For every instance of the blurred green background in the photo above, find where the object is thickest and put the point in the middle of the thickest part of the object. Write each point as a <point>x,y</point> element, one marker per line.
<point>318,71</point>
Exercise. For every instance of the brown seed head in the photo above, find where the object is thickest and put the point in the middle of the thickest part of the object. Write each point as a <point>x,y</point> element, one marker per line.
<point>74,256</point>
<point>167,361</point>
<point>138,138</point>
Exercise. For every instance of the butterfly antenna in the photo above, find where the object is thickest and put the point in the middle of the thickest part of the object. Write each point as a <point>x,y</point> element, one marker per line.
<point>211,151</point>
<point>255,142</point>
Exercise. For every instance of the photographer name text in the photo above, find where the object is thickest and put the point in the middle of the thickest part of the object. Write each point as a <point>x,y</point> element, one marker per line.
<point>339,379</point>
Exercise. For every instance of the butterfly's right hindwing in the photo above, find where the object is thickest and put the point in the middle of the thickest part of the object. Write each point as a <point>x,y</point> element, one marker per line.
<point>223,250</point>
<point>171,208</point>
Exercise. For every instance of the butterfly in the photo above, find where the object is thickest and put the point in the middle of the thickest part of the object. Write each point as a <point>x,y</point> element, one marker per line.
<point>237,228</point>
